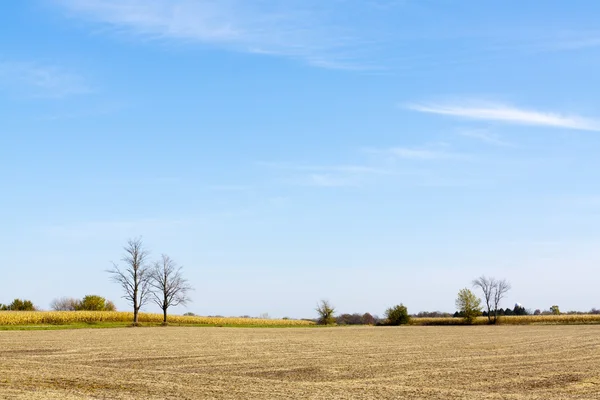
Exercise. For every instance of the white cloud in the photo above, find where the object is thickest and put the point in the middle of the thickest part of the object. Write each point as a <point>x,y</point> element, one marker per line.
<point>298,29</point>
<point>484,136</point>
<point>509,114</point>
<point>37,80</point>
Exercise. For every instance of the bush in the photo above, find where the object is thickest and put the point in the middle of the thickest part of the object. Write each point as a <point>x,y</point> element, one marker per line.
<point>397,315</point>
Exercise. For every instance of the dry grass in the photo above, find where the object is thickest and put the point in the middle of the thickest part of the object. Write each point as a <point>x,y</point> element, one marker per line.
<point>482,362</point>
<point>516,320</point>
<point>9,318</point>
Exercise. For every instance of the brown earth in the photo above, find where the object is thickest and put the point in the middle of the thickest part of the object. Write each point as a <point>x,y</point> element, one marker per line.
<point>501,362</point>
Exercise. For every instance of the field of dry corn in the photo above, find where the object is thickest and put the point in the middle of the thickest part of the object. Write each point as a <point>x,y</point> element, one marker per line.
<point>413,362</point>
<point>562,319</point>
<point>12,318</point>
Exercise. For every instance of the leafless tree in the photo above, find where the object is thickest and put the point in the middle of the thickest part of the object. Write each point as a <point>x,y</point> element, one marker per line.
<point>169,286</point>
<point>502,287</point>
<point>135,278</point>
<point>64,304</point>
<point>493,292</point>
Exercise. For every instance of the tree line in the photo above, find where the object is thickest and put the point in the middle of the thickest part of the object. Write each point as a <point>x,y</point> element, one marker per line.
<point>162,283</point>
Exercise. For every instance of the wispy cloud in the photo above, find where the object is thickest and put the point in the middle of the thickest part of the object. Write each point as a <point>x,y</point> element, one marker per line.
<point>38,80</point>
<point>427,152</point>
<point>304,29</point>
<point>329,180</point>
<point>342,175</point>
<point>508,114</point>
<point>484,136</point>
<point>422,154</point>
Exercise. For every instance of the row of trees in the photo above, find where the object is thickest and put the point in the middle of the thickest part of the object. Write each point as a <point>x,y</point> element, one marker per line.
<point>396,315</point>
<point>18,305</point>
<point>470,306</point>
<point>161,282</point>
<point>88,303</point>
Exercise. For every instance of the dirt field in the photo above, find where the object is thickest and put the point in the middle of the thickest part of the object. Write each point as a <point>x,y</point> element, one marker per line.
<point>504,362</point>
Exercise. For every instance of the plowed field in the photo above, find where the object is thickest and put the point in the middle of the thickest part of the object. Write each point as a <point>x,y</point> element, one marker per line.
<point>479,362</point>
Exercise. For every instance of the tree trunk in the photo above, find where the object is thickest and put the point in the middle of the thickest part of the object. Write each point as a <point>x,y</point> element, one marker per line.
<point>165,315</point>
<point>135,315</point>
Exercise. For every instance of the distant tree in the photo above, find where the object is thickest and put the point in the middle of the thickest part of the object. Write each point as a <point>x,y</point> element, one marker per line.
<point>468,305</point>
<point>135,278</point>
<point>368,319</point>
<point>3,307</point>
<point>397,315</point>
<point>508,311</point>
<point>493,292</point>
<point>520,310</point>
<point>93,303</point>
<point>170,288</point>
<point>65,304</point>
<point>433,314</point>
<point>21,305</point>
<point>189,314</point>
<point>325,311</point>
<point>110,306</point>
<point>537,312</point>
<point>349,319</point>
<point>555,310</point>
<point>595,311</point>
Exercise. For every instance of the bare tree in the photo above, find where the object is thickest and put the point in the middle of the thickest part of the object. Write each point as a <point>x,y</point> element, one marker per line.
<point>65,304</point>
<point>493,292</point>
<point>502,287</point>
<point>170,288</point>
<point>135,278</point>
<point>487,287</point>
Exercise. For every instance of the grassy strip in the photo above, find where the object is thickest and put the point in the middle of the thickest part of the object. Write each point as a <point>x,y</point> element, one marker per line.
<point>108,325</point>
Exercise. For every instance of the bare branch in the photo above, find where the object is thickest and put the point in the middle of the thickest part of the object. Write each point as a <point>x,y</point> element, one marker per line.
<point>169,286</point>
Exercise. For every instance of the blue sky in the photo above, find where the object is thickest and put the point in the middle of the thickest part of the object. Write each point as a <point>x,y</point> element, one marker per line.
<point>367,152</point>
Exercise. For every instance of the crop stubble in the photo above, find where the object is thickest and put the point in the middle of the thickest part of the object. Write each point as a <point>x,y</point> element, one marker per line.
<point>500,362</point>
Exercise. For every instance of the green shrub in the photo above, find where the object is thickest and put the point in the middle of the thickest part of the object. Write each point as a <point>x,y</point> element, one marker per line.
<point>325,311</point>
<point>21,305</point>
<point>469,305</point>
<point>397,315</point>
<point>95,303</point>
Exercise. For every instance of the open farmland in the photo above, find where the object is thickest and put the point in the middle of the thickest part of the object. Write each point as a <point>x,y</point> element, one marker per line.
<point>482,362</point>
